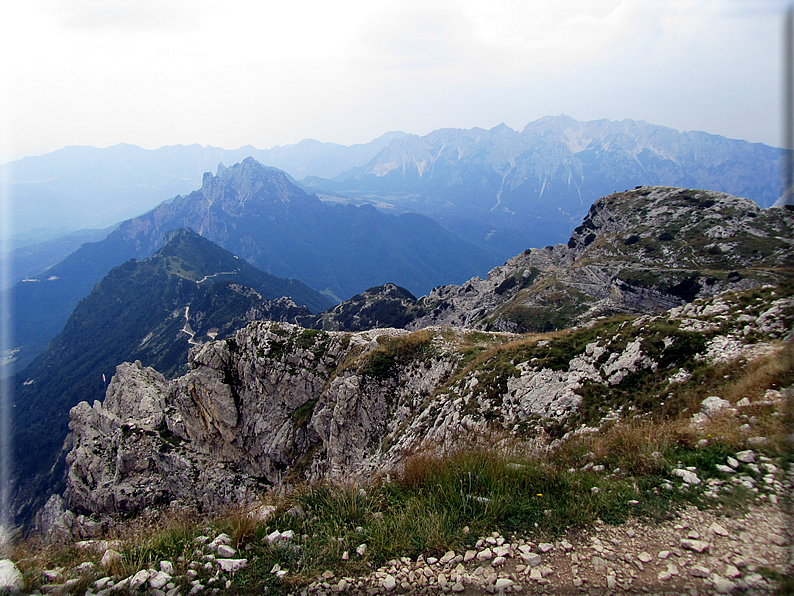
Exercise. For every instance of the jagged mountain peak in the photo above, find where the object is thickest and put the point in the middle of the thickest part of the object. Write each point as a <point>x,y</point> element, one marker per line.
<point>153,310</point>
<point>247,181</point>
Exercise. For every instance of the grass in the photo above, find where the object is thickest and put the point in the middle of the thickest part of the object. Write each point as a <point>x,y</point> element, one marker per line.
<point>382,361</point>
<point>437,502</point>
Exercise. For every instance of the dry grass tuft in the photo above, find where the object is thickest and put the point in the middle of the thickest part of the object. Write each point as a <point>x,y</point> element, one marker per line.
<point>755,377</point>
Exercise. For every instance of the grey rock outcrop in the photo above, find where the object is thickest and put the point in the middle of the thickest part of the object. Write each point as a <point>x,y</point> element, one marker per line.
<point>278,403</point>
<point>639,251</point>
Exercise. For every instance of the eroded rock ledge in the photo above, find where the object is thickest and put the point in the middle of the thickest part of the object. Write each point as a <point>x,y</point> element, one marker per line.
<point>278,403</point>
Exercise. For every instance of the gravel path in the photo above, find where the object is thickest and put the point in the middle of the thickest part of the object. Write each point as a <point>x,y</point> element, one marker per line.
<point>699,552</point>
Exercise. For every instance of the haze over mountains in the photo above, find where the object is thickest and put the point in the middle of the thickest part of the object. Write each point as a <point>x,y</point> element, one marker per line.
<point>260,215</point>
<point>499,191</point>
<point>488,185</point>
<point>541,181</point>
<point>87,187</point>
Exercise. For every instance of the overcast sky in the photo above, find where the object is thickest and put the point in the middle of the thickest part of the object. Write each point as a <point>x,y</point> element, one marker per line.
<point>163,72</point>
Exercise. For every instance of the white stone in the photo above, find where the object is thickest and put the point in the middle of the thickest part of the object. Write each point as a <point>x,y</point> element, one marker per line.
<point>714,406</point>
<point>448,556</point>
<point>717,529</point>
<point>110,556</point>
<point>139,579</point>
<point>645,557</point>
<point>698,546</point>
<point>361,549</point>
<point>222,539</point>
<point>531,559</point>
<point>545,547</point>
<point>502,551</point>
<point>389,583</point>
<point>746,457</point>
<point>158,579</point>
<point>699,571</point>
<point>232,565</point>
<point>226,552</point>
<point>722,585</point>
<point>687,476</point>
<point>599,564</point>
<point>263,513</point>
<point>10,576</point>
<point>502,583</point>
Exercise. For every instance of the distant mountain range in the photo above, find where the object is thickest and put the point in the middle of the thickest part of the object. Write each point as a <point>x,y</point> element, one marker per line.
<point>507,189</point>
<point>500,190</point>
<point>541,181</point>
<point>87,187</point>
<point>189,292</point>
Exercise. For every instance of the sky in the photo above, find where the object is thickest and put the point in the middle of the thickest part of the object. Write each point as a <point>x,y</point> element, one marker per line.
<point>228,74</point>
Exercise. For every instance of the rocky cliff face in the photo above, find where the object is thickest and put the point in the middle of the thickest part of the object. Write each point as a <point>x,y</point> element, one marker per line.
<point>278,403</point>
<point>708,274</point>
<point>638,251</point>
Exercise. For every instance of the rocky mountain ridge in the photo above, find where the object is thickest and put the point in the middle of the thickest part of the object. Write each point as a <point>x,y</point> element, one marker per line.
<point>541,181</point>
<point>77,186</point>
<point>279,403</point>
<point>639,251</point>
<point>684,307</point>
<point>488,185</point>
<point>257,213</point>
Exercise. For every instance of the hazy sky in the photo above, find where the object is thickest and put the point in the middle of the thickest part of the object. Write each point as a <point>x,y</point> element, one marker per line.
<point>162,72</point>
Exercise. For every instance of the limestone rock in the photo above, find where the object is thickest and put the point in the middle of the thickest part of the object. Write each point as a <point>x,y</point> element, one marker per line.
<point>10,576</point>
<point>714,406</point>
<point>698,546</point>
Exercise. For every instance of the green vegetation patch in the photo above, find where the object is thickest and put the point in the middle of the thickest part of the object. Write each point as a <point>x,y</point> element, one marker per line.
<point>381,362</point>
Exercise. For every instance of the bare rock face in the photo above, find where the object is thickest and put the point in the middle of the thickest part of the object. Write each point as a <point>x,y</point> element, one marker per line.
<point>279,403</point>
<point>128,455</point>
<point>638,251</point>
